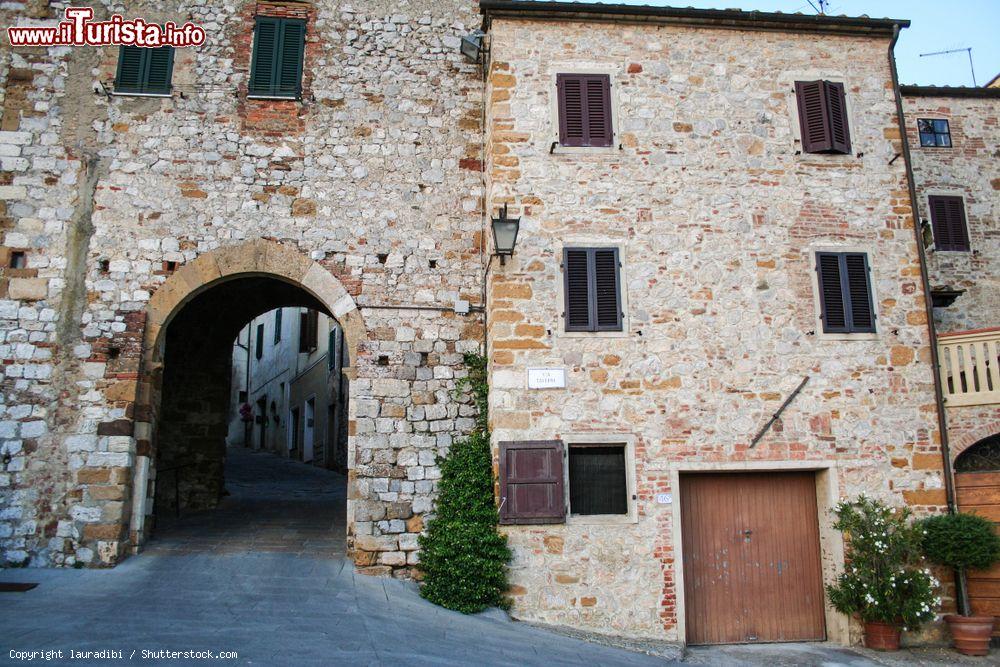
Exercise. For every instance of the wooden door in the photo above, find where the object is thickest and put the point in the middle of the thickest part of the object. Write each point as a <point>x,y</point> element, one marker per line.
<point>979,493</point>
<point>751,558</point>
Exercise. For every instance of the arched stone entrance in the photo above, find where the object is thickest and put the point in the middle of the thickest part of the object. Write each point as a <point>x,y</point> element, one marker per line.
<point>192,321</point>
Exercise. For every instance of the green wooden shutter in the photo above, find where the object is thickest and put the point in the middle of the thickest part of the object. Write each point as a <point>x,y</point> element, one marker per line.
<point>265,56</point>
<point>130,65</point>
<point>159,68</point>
<point>292,49</point>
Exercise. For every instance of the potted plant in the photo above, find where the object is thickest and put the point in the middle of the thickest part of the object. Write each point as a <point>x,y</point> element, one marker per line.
<point>963,542</point>
<point>882,583</point>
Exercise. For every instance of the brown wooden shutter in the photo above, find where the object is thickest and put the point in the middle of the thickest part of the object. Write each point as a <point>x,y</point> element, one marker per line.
<point>607,290</point>
<point>831,293</point>
<point>948,221</point>
<point>814,116</point>
<point>531,482</point>
<point>576,280</point>
<point>859,293</point>
<point>840,133</point>
<point>584,102</point>
<point>823,117</point>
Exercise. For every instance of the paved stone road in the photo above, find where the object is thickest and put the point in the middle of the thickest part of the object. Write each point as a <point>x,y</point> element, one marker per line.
<point>264,576</point>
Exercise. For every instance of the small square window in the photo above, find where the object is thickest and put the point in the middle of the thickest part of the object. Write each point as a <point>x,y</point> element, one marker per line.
<point>934,133</point>
<point>597,480</point>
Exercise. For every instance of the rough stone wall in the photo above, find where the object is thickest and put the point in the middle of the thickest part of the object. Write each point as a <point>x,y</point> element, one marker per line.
<point>375,175</point>
<point>716,214</point>
<point>968,169</point>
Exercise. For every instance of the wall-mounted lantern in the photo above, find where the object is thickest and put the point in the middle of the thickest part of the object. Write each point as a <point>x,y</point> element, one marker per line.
<point>505,235</point>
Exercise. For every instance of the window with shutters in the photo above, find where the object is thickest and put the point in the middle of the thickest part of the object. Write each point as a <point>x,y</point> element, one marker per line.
<point>531,482</point>
<point>951,232</point>
<point>277,325</point>
<point>823,117</point>
<point>308,331</point>
<point>586,118</point>
<point>259,350</point>
<point>278,54</point>
<point>144,71</point>
<point>934,133</point>
<point>592,292</point>
<point>847,304</point>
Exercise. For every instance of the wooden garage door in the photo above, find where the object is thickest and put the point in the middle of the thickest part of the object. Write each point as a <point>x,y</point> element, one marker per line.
<point>751,558</point>
<point>979,493</point>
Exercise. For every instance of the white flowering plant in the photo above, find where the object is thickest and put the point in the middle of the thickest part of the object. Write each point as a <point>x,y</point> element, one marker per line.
<point>883,580</point>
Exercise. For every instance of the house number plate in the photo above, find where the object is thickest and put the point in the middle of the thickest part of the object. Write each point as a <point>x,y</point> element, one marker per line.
<point>664,499</point>
<point>546,378</point>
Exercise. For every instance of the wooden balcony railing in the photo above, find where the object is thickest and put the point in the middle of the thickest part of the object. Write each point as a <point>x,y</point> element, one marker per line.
<point>970,367</point>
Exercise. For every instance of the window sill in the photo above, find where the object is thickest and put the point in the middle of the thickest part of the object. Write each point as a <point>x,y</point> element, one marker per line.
<point>286,98</point>
<point>583,150</point>
<point>602,519</point>
<point>593,334</point>
<point>848,336</point>
<point>127,94</point>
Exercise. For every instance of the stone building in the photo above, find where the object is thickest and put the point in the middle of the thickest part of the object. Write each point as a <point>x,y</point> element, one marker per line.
<point>954,135</point>
<point>716,225</point>
<point>286,388</point>
<point>150,228</point>
<point>672,274</point>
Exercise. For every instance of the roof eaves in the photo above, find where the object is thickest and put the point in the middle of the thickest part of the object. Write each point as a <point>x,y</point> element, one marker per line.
<point>720,18</point>
<point>949,91</point>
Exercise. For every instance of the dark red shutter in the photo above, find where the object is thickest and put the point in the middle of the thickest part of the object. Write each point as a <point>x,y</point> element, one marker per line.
<point>607,290</point>
<point>531,482</point>
<point>814,116</point>
<point>576,281</point>
<point>598,90</point>
<point>840,133</point>
<point>831,293</point>
<point>948,221</point>
<point>859,293</point>
<point>584,109</point>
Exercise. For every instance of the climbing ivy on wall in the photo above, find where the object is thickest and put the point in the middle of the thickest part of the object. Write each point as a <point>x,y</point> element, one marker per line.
<point>462,556</point>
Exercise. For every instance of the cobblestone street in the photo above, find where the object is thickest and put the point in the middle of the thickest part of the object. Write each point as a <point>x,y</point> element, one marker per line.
<point>264,576</point>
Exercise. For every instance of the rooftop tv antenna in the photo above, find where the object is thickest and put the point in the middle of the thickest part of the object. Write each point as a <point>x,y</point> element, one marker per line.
<point>820,6</point>
<point>967,50</point>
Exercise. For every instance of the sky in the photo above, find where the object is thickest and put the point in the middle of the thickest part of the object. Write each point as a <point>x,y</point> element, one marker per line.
<point>937,25</point>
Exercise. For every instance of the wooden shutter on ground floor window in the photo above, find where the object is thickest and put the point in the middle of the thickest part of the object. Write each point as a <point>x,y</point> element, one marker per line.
<point>846,304</point>
<point>531,482</point>
<point>823,119</point>
<point>584,102</point>
<point>951,231</point>
<point>144,71</point>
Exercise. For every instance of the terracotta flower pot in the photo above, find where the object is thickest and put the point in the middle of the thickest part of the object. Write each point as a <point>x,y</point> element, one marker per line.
<point>971,633</point>
<point>882,636</point>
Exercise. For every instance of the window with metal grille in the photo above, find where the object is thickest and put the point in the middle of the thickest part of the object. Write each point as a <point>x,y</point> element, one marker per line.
<point>143,71</point>
<point>597,480</point>
<point>592,286</point>
<point>846,304</point>
<point>934,133</point>
<point>584,110</point>
<point>949,224</point>
<point>278,55</point>
<point>823,117</point>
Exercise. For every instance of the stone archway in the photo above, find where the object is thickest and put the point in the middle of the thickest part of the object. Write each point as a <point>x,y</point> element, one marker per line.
<point>211,295</point>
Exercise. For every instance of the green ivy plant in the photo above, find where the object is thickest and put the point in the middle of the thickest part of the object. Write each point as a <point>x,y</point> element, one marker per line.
<point>882,580</point>
<point>463,557</point>
<point>962,542</point>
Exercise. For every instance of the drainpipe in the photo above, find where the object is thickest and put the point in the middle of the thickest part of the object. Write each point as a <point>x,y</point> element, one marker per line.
<point>961,593</point>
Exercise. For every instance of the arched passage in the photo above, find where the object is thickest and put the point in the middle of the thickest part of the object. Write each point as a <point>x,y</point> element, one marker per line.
<point>192,322</point>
